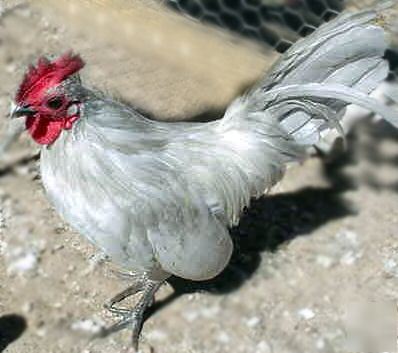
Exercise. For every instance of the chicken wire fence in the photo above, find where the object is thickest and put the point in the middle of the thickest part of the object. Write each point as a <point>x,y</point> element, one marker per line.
<point>276,23</point>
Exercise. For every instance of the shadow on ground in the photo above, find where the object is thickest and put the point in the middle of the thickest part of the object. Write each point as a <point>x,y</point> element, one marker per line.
<point>377,159</point>
<point>11,328</point>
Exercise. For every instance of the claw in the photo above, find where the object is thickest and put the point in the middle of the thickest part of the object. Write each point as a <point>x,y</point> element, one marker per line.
<point>132,318</point>
<point>134,289</point>
<point>105,332</point>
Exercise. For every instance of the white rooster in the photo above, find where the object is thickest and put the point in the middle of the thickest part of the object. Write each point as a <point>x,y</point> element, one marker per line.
<point>158,198</point>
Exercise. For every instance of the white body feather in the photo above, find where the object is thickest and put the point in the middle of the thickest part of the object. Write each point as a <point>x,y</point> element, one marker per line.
<point>159,197</point>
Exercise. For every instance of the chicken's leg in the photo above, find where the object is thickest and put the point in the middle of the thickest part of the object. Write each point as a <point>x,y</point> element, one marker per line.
<point>132,317</point>
<point>129,291</point>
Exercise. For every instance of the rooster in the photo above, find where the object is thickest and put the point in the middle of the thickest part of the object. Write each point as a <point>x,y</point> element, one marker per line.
<point>159,197</point>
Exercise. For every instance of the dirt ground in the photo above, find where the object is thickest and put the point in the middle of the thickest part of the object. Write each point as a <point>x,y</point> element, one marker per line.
<point>324,239</point>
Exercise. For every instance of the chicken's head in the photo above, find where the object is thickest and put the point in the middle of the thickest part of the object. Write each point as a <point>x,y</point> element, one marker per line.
<point>44,97</point>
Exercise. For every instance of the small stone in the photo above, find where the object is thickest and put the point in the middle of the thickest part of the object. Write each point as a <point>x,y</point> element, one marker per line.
<point>88,326</point>
<point>156,335</point>
<point>21,261</point>
<point>324,261</point>
<point>263,347</point>
<point>306,313</point>
<point>27,307</point>
<point>253,321</point>
<point>391,267</point>
<point>57,248</point>
<point>210,312</point>
<point>190,316</point>
<point>41,332</point>
<point>3,246</point>
<point>320,344</point>
<point>350,257</point>
<point>348,236</point>
<point>223,337</point>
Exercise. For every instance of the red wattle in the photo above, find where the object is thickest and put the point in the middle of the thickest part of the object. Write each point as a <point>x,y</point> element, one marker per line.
<point>45,131</point>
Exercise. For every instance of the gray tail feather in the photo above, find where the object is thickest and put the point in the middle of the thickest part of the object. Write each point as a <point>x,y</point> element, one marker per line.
<point>309,88</point>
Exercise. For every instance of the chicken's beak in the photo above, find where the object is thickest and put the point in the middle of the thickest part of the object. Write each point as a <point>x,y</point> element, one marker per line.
<point>20,111</point>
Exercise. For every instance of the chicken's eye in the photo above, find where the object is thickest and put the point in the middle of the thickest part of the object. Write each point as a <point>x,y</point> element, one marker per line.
<point>55,103</point>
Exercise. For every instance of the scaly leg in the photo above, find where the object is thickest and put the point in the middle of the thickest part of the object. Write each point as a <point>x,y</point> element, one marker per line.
<point>132,317</point>
<point>134,289</point>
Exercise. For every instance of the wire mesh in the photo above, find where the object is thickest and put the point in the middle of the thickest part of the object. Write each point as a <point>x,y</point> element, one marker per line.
<point>278,23</point>
<point>275,23</point>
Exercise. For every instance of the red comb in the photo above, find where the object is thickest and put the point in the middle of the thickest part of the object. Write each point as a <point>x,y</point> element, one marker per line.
<point>48,73</point>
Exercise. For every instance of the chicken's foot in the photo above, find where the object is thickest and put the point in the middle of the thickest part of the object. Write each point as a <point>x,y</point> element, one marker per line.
<point>132,317</point>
